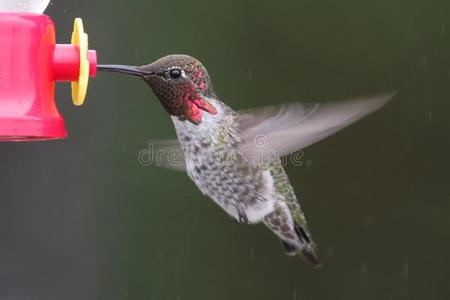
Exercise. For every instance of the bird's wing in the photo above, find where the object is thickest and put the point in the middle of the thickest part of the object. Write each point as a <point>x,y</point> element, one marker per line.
<point>165,153</point>
<point>276,131</point>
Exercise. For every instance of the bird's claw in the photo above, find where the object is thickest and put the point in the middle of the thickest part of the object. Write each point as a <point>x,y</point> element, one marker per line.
<point>242,218</point>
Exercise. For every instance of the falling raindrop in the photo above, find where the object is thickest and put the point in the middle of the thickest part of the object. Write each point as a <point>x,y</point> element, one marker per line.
<point>252,254</point>
<point>424,61</point>
<point>364,268</point>
<point>368,222</point>
<point>405,269</point>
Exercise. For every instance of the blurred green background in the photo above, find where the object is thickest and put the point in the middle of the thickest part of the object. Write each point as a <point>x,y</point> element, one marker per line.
<point>81,218</point>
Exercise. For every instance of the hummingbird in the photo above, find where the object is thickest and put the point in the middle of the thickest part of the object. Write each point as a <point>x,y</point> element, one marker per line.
<point>234,157</point>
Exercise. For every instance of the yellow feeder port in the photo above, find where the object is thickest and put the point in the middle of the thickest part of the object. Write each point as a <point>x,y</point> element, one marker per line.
<point>80,39</point>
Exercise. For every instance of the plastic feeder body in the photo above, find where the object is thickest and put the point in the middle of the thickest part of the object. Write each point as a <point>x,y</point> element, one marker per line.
<point>30,64</point>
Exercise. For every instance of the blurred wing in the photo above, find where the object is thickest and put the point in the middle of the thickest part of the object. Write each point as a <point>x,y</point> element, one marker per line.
<point>32,6</point>
<point>277,131</point>
<point>167,154</point>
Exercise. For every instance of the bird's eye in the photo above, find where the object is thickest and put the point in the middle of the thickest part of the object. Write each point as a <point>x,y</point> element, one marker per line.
<point>175,73</point>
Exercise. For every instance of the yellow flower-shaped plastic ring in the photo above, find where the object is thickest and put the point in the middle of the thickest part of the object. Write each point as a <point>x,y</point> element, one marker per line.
<point>80,39</point>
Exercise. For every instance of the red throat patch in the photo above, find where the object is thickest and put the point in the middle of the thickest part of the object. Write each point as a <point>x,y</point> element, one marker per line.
<point>194,113</point>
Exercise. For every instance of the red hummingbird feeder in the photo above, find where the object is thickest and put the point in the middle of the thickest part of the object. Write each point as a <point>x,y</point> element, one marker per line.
<point>30,64</point>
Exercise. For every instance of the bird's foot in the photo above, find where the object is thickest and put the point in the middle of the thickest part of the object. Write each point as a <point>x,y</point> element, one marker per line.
<point>242,218</point>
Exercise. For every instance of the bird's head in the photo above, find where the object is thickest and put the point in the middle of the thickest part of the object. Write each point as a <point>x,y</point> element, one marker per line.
<point>181,83</point>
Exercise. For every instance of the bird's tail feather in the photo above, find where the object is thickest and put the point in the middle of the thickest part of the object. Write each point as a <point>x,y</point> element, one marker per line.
<point>307,252</point>
<point>303,247</point>
<point>294,238</point>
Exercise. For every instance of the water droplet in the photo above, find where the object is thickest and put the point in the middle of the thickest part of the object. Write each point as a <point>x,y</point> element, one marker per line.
<point>364,268</point>
<point>424,61</point>
<point>368,222</point>
<point>252,254</point>
<point>249,72</point>
<point>405,269</point>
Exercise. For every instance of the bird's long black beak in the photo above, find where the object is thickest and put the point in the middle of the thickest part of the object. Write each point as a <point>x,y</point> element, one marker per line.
<point>130,70</point>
